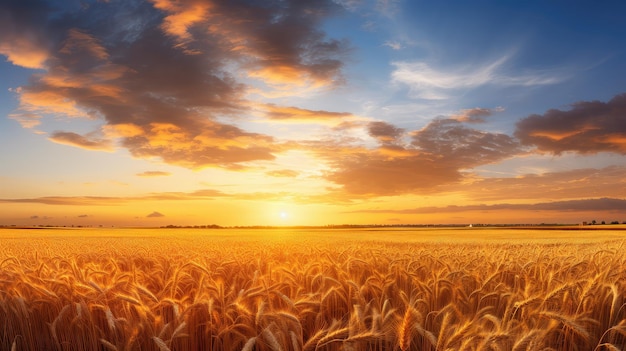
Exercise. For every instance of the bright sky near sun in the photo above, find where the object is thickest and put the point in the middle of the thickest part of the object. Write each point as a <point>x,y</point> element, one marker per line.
<point>311,112</point>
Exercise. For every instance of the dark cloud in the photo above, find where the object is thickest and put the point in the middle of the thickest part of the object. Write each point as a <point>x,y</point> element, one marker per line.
<point>83,216</point>
<point>278,42</point>
<point>450,141</point>
<point>22,37</point>
<point>160,75</point>
<point>384,132</point>
<point>155,214</point>
<point>601,204</point>
<point>588,127</point>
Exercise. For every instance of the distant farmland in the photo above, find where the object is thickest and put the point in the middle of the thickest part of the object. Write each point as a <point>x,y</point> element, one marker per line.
<point>298,289</point>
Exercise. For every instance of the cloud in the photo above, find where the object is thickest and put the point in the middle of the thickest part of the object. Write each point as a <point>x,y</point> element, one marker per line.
<point>426,82</point>
<point>450,141</point>
<point>155,214</point>
<point>22,40</point>
<point>588,127</point>
<point>436,157</point>
<point>475,115</point>
<point>276,42</point>
<point>299,115</point>
<point>601,204</point>
<point>384,132</point>
<point>73,139</point>
<point>371,174</point>
<point>586,182</point>
<point>182,17</point>
<point>70,200</point>
<point>79,42</point>
<point>393,44</point>
<point>166,77</point>
<point>286,173</point>
<point>204,194</point>
<point>83,216</point>
<point>34,217</point>
<point>153,174</point>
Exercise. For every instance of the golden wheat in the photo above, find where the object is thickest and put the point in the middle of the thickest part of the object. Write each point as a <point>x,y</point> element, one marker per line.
<point>333,290</point>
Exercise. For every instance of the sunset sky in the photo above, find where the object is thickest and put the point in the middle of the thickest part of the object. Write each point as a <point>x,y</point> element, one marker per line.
<point>311,112</point>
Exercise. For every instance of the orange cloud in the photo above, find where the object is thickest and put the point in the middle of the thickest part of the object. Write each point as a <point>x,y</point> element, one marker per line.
<point>77,140</point>
<point>372,175</point>
<point>26,119</point>
<point>49,101</point>
<point>299,115</point>
<point>22,52</point>
<point>153,174</point>
<point>208,144</point>
<point>71,90</point>
<point>287,173</point>
<point>394,151</point>
<point>125,130</point>
<point>182,16</point>
<point>22,39</point>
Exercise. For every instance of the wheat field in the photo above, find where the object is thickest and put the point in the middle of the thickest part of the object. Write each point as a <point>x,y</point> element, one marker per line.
<point>288,289</point>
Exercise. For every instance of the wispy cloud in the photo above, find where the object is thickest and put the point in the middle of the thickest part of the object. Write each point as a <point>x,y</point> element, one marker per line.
<point>204,194</point>
<point>292,114</point>
<point>393,44</point>
<point>153,174</point>
<point>437,83</point>
<point>81,141</point>
<point>584,205</point>
<point>286,173</point>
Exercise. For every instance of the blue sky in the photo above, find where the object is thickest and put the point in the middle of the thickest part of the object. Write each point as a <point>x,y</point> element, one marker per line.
<point>331,111</point>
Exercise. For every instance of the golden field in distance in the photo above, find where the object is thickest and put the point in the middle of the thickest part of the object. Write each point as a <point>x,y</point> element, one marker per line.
<point>305,289</point>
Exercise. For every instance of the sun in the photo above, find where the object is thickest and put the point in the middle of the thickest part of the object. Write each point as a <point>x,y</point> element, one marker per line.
<point>284,215</point>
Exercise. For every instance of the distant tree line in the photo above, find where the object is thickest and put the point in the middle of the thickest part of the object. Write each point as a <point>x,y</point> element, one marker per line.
<point>594,222</point>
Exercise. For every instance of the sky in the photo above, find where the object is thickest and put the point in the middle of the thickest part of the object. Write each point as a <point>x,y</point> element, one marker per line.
<point>311,112</point>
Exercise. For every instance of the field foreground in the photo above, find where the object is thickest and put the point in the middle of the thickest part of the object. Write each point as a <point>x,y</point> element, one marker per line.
<point>419,289</point>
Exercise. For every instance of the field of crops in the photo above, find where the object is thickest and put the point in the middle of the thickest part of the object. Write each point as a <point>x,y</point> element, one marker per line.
<point>426,289</point>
